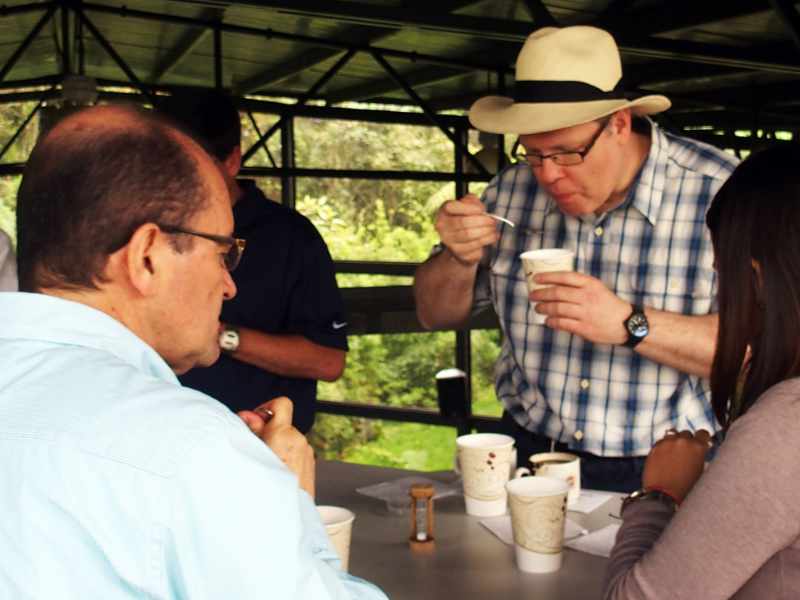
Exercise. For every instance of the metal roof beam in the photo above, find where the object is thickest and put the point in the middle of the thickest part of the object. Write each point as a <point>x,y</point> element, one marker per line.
<point>652,48</point>
<point>306,60</point>
<point>321,82</point>
<point>730,118</point>
<point>682,14</point>
<point>756,97</point>
<point>398,18</point>
<point>106,45</point>
<point>790,18</point>
<point>431,114</point>
<point>769,58</point>
<point>665,73</point>
<point>541,16</point>
<point>15,56</point>
<point>378,87</point>
<point>316,56</point>
<point>193,37</point>
<point>21,9</point>
<point>614,9</point>
<point>292,37</point>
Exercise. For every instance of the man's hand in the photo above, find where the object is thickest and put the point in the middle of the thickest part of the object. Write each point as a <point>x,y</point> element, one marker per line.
<point>272,423</point>
<point>465,229</point>
<point>676,462</point>
<point>583,305</point>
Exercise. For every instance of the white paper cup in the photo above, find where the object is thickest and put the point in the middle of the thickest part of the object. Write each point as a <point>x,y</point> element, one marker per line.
<point>485,462</point>
<point>538,507</point>
<point>338,523</point>
<point>561,465</point>
<point>545,260</point>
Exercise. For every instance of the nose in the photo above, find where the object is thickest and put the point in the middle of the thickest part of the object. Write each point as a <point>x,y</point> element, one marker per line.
<point>548,173</point>
<point>228,286</point>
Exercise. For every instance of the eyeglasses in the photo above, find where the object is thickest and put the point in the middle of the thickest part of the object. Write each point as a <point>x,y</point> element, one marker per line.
<point>565,159</point>
<point>235,245</point>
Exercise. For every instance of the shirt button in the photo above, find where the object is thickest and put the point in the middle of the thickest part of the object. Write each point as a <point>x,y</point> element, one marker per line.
<point>674,285</point>
<point>584,384</point>
<point>598,231</point>
<point>578,435</point>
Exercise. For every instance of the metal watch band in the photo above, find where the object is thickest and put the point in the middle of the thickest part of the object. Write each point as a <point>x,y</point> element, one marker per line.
<point>645,494</point>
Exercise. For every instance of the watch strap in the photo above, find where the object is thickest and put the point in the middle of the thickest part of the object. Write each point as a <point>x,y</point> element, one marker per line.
<point>649,494</point>
<point>633,340</point>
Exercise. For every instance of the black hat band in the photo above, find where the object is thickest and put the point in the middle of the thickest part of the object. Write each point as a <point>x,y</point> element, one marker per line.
<point>563,91</point>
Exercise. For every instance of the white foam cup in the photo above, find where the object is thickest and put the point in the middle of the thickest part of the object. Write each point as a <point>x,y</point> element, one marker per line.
<point>338,523</point>
<point>485,461</point>
<point>545,260</point>
<point>538,507</point>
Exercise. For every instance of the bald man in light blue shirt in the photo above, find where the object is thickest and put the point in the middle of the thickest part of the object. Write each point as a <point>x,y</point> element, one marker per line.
<point>115,481</point>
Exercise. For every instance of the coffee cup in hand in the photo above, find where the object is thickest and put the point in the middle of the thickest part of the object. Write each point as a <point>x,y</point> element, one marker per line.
<point>545,260</point>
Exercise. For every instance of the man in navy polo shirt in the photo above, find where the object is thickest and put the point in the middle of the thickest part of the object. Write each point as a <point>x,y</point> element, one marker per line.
<point>285,329</point>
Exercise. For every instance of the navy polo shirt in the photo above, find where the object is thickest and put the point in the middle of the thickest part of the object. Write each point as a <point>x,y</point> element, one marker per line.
<point>286,285</point>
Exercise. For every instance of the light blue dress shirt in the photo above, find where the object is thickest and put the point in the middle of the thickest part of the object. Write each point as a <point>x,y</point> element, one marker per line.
<point>116,482</point>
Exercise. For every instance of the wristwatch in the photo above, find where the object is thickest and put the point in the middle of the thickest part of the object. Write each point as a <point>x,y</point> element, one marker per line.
<point>636,326</point>
<point>229,339</point>
<point>644,494</point>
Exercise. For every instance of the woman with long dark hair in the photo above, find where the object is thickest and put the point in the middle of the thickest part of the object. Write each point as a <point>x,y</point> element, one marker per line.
<point>737,534</point>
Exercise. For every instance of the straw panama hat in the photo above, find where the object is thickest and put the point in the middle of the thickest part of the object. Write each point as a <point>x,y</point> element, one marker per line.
<point>564,77</point>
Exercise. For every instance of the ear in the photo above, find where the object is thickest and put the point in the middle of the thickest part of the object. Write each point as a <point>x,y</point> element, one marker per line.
<point>233,162</point>
<point>147,257</point>
<point>620,124</point>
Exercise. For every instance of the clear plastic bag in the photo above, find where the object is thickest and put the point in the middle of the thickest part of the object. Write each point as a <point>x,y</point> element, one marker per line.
<point>395,493</point>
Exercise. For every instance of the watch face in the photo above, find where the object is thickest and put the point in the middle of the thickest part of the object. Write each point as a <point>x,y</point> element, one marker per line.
<point>229,340</point>
<point>637,325</point>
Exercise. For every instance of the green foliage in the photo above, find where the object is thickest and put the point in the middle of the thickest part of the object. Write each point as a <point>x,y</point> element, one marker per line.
<point>11,118</point>
<point>408,446</point>
<point>8,205</point>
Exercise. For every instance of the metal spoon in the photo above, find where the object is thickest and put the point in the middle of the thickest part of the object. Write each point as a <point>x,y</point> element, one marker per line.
<point>512,224</point>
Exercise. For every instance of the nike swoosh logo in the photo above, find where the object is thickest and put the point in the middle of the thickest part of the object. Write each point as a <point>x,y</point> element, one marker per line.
<point>337,325</point>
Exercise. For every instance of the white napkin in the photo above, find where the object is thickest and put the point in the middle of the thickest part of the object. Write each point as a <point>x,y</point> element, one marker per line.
<point>501,527</point>
<point>598,542</point>
<point>590,500</point>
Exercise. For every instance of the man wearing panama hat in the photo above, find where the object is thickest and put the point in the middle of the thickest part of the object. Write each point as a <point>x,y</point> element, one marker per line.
<point>627,346</point>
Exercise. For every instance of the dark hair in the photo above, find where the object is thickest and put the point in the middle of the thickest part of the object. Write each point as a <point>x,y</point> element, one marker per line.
<point>755,216</point>
<point>209,116</point>
<point>84,193</point>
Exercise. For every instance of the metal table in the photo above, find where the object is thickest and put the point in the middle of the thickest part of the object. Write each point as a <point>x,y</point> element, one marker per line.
<point>468,560</point>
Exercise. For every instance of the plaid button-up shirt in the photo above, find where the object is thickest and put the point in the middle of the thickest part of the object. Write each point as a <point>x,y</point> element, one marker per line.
<point>653,250</point>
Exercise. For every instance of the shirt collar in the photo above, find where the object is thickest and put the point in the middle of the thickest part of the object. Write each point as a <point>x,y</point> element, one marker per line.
<point>644,195</point>
<point>58,321</point>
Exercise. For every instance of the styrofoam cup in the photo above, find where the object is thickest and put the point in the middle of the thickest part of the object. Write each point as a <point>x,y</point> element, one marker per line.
<point>485,461</point>
<point>338,523</point>
<point>545,260</point>
<point>538,507</point>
